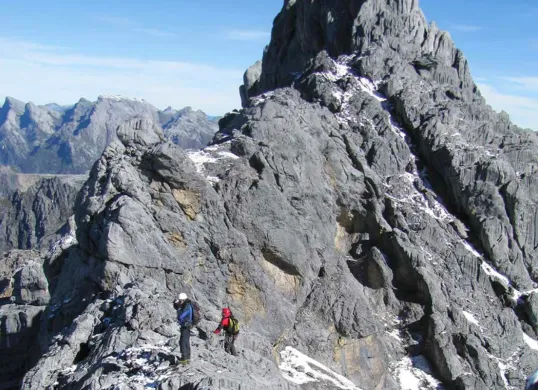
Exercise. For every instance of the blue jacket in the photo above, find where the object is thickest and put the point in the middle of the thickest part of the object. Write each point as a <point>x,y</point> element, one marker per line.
<point>532,381</point>
<point>184,314</point>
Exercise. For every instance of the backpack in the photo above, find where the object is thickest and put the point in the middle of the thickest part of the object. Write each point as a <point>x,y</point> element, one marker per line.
<point>196,317</point>
<point>233,326</point>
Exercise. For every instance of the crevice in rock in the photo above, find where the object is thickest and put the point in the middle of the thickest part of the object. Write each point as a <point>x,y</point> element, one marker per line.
<point>82,354</point>
<point>273,258</point>
<point>508,207</point>
<point>277,180</point>
<point>409,285</point>
<point>257,163</point>
<point>351,154</point>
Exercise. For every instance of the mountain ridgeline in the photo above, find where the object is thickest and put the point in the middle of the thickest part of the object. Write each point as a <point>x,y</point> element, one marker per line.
<point>367,217</point>
<point>45,150</point>
<point>57,139</point>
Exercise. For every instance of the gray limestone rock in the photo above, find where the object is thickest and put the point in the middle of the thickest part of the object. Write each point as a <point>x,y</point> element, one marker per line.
<point>23,297</point>
<point>366,217</point>
<point>36,216</point>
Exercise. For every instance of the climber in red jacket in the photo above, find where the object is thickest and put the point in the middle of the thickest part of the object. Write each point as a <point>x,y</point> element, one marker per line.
<point>231,330</point>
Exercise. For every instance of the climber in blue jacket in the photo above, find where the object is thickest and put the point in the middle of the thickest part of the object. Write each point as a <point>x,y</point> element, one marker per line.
<point>185,318</point>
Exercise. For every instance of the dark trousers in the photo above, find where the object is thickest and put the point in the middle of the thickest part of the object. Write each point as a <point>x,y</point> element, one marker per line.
<point>185,343</point>
<point>229,343</point>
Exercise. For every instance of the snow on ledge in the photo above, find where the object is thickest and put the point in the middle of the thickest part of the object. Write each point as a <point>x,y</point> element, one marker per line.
<point>495,275</point>
<point>298,368</point>
<point>209,155</point>
<point>472,250</point>
<point>470,318</point>
<point>533,344</point>
<point>415,374</point>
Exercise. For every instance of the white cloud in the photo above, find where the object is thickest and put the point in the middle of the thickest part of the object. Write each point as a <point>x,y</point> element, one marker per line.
<point>44,74</point>
<point>135,27</point>
<point>248,35</point>
<point>465,28</point>
<point>527,83</point>
<point>523,110</point>
<point>154,32</point>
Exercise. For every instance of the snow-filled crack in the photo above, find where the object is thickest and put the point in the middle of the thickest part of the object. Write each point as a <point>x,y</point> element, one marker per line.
<point>210,155</point>
<point>298,368</point>
<point>432,207</point>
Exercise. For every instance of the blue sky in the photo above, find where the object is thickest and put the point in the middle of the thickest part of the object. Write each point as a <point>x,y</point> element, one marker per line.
<point>179,52</point>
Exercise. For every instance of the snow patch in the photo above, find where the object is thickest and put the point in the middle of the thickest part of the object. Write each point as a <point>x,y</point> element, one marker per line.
<point>119,98</point>
<point>395,334</point>
<point>471,249</point>
<point>533,344</point>
<point>65,242</point>
<point>471,318</point>
<point>515,295</point>
<point>300,369</point>
<point>200,158</point>
<point>142,366</point>
<point>257,100</point>
<point>212,179</point>
<point>394,126</point>
<point>342,70</point>
<point>225,154</point>
<point>209,155</point>
<point>495,275</point>
<point>504,366</point>
<point>370,88</point>
<point>415,373</point>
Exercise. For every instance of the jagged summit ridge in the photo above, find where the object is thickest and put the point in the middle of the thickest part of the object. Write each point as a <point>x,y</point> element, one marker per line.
<point>381,33</point>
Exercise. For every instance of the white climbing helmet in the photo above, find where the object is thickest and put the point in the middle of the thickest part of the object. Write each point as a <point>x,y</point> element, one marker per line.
<point>182,297</point>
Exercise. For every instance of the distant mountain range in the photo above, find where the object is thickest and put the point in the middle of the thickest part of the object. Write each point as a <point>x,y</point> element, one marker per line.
<point>68,139</point>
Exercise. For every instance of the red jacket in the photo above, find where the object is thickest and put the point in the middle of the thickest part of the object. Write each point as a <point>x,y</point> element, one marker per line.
<point>224,324</point>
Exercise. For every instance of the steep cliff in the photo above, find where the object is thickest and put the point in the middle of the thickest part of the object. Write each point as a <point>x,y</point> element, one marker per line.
<point>36,215</point>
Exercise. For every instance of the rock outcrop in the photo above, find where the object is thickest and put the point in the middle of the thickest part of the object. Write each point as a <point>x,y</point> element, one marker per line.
<point>37,216</point>
<point>366,216</point>
<point>55,139</point>
<point>188,128</point>
<point>23,297</point>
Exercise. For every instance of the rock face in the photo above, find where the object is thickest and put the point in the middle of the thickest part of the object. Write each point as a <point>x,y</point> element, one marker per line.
<point>188,128</point>
<point>37,216</point>
<point>23,297</point>
<point>54,139</point>
<point>366,216</point>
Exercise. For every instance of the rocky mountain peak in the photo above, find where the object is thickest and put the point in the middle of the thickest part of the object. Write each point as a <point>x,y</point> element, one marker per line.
<point>381,33</point>
<point>11,109</point>
<point>57,107</point>
<point>12,103</point>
